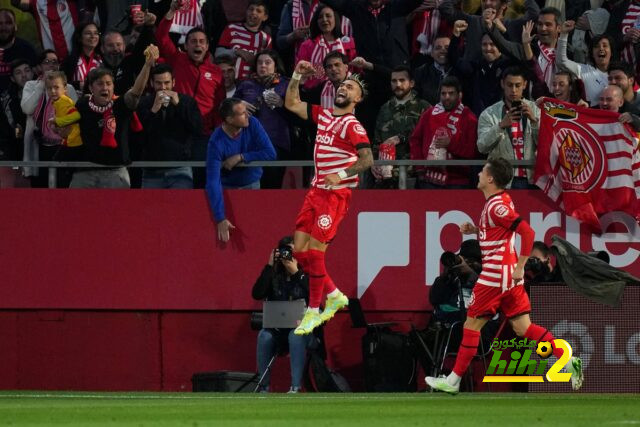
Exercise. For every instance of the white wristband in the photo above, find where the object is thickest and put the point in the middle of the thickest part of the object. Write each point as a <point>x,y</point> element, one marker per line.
<point>296,76</point>
<point>342,174</point>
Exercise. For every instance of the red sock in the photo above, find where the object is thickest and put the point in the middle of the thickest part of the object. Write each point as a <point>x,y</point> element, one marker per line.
<point>329,286</point>
<point>538,334</point>
<point>317,276</point>
<point>468,349</point>
<point>303,259</point>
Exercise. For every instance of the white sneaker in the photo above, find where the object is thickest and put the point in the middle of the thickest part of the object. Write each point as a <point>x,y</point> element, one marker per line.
<point>574,367</point>
<point>441,384</point>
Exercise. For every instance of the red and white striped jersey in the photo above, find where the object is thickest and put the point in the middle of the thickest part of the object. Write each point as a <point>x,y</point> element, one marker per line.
<point>337,142</point>
<point>497,236</point>
<point>56,20</point>
<point>237,36</point>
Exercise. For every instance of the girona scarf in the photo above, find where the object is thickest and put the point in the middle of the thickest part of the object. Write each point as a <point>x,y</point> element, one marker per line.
<point>549,55</point>
<point>450,120</point>
<point>108,138</point>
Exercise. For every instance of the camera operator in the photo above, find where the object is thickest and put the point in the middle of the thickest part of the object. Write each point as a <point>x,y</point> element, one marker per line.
<point>456,281</point>
<point>282,279</point>
<point>539,268</point>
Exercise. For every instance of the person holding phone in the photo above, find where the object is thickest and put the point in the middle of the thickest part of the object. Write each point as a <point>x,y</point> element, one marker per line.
<point>509,128</point>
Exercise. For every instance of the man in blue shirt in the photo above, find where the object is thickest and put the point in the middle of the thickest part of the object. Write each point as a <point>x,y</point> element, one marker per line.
<point>240,138</point>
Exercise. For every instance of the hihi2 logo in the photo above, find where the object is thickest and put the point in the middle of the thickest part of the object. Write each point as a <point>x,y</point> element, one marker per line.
<point>519,368</point>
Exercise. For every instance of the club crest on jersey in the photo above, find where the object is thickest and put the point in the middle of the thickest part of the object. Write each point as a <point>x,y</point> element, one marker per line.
<point>359,129</point>
<point>325,221</point>
<point>324,139</point>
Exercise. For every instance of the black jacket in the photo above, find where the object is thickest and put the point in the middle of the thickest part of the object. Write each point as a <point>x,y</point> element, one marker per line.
<point>382,40</point>
<point>274,286</point>
<point>168,134</point>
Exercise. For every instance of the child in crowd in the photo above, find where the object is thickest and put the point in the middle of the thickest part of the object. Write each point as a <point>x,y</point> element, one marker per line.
<point>65,110</point>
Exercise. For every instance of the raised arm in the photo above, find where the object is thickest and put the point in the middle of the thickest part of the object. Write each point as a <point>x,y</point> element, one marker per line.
<point>132,97</point>
<point>292,100</point>
<point>562,60</point>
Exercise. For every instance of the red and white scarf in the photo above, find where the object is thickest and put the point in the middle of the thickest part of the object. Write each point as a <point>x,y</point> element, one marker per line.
<point>186,18</point>
<point>547,69</point>
<point>429,30</point>
<point>629,22</point>
<point>300,19</point>
<point>108,138</point>
<point>449,120</point>
<point>517,141</point>
<point>328,95</point>
<point>84,65</point>
<point>322,48</point>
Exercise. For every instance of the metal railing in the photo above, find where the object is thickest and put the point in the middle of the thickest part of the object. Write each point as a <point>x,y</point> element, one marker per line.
<point>402,165</point>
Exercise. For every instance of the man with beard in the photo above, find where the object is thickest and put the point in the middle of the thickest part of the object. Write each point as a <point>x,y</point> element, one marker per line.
<point>342,151</point>
<point>621,74</point>
<point>396,121</point>
<point>125,67</point>
<point>11,47</point>
<point>542,51</point>
<point>105,122</point>
<point>13,119</point>
<point>197,77</point>
<point>446,131</point>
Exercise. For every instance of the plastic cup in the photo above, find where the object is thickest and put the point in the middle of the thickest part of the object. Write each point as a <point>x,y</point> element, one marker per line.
<point>134,9</point>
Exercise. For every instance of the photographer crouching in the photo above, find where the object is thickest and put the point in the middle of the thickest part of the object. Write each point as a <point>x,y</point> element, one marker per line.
<point>282,279</point>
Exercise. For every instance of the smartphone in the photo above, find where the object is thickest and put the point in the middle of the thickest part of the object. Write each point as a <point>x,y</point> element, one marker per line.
<point>516,104</point>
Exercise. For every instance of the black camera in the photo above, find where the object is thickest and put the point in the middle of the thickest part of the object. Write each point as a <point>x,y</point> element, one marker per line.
<point>449,259</point>
<point>535,267</point>
<point>284,253</point>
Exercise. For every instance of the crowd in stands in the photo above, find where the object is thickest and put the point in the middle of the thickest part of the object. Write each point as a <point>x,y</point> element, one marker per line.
<point>117,81</point>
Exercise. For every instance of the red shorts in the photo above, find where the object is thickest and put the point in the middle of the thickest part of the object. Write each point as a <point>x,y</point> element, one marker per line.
<point>322,212</point>
<point>487,300</point>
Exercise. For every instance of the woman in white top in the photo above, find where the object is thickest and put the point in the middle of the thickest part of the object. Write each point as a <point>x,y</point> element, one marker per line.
<point>595,78</point>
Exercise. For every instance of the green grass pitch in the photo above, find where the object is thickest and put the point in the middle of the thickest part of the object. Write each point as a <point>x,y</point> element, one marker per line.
<point>205,409</point>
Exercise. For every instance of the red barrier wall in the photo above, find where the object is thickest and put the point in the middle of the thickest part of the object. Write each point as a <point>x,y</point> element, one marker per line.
<point>129,290</point>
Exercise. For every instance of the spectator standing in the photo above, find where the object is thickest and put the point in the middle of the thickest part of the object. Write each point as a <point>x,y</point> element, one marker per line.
<point>623,25</point>
<point>336,69</point>
<point>240,139</point>
<point>594,76</point>
<point>125,67</point>
<point>40,142</point>
<point>622,75</point>
<point>244,40</point>
<point>396,121</point>
<point>430,74</point>
<point>509,128</point>
<point>171,122</point>
<point>197,77</point>
<point>115,15</point>
<point>494,9</point>
<point>105,122</point>
<point>446,131</point>
<point>542,51</point>
<point>264,95</point>
<point>380,33</point>
<point>326,37</point>
<point>227,66</point>
<point>85,55</point>
<point>11,47</point>
<point>55,19</point>
<point>480,79</point>
<point>13,120</point>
